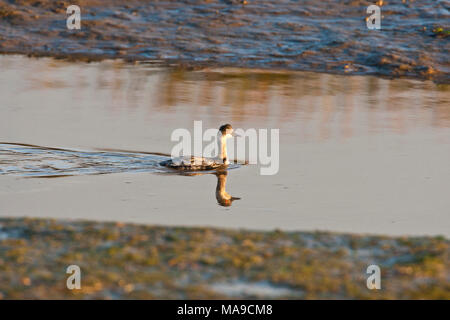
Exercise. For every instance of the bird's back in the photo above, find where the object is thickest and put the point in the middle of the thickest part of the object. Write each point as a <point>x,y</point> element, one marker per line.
<point>192,163</point>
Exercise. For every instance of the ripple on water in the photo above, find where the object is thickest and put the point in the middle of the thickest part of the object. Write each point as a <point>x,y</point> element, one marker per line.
<point>35,161</point>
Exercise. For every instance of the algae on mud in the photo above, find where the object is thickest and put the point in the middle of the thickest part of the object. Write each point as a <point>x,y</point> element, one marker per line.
<point>146,262</point>
<point>325,36</point>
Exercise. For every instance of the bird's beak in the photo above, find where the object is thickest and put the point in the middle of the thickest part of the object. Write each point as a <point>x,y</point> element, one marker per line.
<point>234,134</point>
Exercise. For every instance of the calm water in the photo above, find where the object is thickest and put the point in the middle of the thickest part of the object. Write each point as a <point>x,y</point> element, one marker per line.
<point>357,154</point>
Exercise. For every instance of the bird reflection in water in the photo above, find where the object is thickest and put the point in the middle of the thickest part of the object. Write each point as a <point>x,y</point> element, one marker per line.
<point>222,196</point>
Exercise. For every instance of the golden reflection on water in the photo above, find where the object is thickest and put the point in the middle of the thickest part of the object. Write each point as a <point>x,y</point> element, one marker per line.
<point>387,104</point>
<point>334,106</point>
<point>317,106</point>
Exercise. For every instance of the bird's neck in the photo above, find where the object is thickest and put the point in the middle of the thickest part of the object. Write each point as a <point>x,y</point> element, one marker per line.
<point>221,194</point>
<point>223,149</point>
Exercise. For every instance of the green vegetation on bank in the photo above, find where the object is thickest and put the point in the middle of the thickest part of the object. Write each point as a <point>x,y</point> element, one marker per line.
<point>122,261</point>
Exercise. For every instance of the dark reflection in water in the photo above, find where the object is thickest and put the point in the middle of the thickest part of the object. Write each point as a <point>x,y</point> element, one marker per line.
<point>222,196</point>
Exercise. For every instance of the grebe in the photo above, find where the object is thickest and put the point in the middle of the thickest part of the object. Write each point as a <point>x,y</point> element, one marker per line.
<point>193,163</point>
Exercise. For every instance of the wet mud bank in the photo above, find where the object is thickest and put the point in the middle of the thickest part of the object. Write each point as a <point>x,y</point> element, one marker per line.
<point>325,36</point>
<point>126,261</point>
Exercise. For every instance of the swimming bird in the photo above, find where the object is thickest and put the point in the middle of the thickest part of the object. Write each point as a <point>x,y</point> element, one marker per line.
<point>193,163</point>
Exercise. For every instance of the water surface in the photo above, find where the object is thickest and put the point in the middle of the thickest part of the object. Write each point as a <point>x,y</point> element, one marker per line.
<point>357,154</point>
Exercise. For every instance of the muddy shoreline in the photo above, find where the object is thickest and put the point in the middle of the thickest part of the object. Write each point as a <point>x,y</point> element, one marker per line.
<point>322,36</point>
<point>127,261</point>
